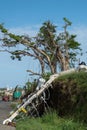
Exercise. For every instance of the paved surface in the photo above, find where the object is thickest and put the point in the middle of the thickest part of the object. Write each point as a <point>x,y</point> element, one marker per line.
<point>5,108</point>
<point>4,127</point>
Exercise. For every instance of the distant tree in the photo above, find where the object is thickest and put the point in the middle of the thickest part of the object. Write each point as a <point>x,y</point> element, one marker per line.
<point>53,51</point>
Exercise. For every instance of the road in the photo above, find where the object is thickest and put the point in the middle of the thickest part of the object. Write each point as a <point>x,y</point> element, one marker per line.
<point>5,108</point>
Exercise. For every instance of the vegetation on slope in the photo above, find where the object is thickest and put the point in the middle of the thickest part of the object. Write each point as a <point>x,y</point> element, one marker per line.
<point>50,121</point>
<point>68,97</point>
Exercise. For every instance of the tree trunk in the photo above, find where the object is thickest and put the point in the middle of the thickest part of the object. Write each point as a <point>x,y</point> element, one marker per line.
<point>65,64</point>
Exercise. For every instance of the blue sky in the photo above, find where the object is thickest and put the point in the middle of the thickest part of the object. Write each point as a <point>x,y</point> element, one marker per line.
<point>26,17</point>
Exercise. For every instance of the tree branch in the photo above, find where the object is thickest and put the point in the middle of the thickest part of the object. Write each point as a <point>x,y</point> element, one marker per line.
<point>33,73</point>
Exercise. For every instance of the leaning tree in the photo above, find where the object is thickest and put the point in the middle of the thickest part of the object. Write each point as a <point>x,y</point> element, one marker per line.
<point>54,51</point>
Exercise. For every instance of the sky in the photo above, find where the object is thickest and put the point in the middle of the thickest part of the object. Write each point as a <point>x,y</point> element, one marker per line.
<point>26,17</point>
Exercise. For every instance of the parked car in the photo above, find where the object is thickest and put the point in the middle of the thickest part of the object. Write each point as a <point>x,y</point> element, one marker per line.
<point>82,66</point>
<point>5,98</point>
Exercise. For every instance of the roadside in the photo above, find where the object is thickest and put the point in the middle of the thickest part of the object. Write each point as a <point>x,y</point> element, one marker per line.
<point>5,108</point>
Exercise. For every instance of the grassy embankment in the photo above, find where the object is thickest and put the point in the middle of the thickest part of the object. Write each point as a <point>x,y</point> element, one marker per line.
<point>69,112</point>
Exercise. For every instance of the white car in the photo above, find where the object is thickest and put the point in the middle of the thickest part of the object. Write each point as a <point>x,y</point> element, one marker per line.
<point>82,67</point>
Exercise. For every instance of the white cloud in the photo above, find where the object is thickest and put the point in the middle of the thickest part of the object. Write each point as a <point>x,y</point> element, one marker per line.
<point>28,30</point>
<point>81,32</point>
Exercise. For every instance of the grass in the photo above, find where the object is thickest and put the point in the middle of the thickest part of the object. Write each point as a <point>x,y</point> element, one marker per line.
<point>70,95</point>
<point>50,121</point>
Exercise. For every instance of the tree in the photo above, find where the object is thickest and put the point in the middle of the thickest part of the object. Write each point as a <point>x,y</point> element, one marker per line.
<point>53,51</point>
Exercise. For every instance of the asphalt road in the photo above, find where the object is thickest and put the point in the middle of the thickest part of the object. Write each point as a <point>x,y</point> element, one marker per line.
<point>5,108</point>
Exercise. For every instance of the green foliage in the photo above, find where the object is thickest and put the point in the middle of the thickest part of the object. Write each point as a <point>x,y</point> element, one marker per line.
<point>14,105</point>
<point>78,77</point>
<point>13,57</point>
<point>67,21</point>
<point>46,76</point>
<point>15,37</point>
<point>69,98</point>
<point>31,86</point>
<point>47,34</point>
<point>49,121</point>
<point>72,44</point>
<point>3,30</point>
<point>72,95</point>
<point>48,47</point>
